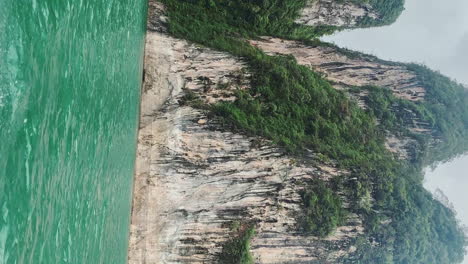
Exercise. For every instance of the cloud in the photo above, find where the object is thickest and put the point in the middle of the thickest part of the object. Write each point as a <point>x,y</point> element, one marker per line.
<point>456,63</point>
<point>462,48</point>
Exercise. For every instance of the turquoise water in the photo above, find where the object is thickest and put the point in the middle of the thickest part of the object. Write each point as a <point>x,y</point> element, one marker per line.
<point>70,76</point>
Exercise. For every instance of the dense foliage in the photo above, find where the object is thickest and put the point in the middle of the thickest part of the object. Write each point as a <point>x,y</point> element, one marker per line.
<point>237,250</point>
<point>388,10</point>
<point>421,231</point>
<point>323,209</point>
<point>246,17</point>
<point>276,17</point>
<point>447,102</point>
<point>298,109</point>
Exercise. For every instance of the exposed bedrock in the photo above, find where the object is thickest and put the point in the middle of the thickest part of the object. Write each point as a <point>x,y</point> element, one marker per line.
<point>346,70</point>
<point>357,70</point>
<point>194,180</point>
<point>335,13</point>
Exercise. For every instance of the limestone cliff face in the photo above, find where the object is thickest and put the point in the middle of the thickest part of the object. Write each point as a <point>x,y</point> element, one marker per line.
<point>335,13</point>
<point>194,180</point>
<point>345,71</point>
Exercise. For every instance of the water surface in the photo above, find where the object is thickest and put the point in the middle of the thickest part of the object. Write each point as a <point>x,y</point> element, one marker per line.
<point>70,76</point>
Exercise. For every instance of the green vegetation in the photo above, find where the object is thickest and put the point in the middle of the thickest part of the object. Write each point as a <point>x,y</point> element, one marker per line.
<point>265,17</point>
<point>389,11</point>
<point>447,102</point>
<point>418,223</point>
<point>392,112</point>
<point>444,111</point>
<point>242,18</point>
<point>324,209</point>
<point>421,231</point>
<point>192,99</point>
<point>298,109</point>
<point>237,250</point>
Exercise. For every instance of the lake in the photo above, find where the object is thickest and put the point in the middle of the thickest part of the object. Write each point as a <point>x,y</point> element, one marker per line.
<point>70,80</point>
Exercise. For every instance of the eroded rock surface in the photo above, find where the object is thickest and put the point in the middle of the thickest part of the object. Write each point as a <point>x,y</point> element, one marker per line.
<point>335,13</point>
<point>350,70</point>
<point>342,69</point>
<point>194,180</point>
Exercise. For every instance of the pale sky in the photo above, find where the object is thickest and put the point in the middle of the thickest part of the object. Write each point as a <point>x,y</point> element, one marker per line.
<point>432,32</point>
<point>435,33</point>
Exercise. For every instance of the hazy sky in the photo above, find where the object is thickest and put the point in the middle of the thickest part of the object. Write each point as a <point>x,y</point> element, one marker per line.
<point>432,32</point>
<point>435,33</point>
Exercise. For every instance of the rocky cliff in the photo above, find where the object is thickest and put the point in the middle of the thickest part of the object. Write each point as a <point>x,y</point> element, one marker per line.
<point>335,13</point>
<point>346,70</point>
<point>197,184</point>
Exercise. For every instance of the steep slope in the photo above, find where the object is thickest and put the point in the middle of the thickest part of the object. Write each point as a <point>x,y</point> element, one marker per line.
<point>334,13</point>
<point>204,180</point>
<point>346,72</point>
<point>350,14</point>
<point>194,181</point>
